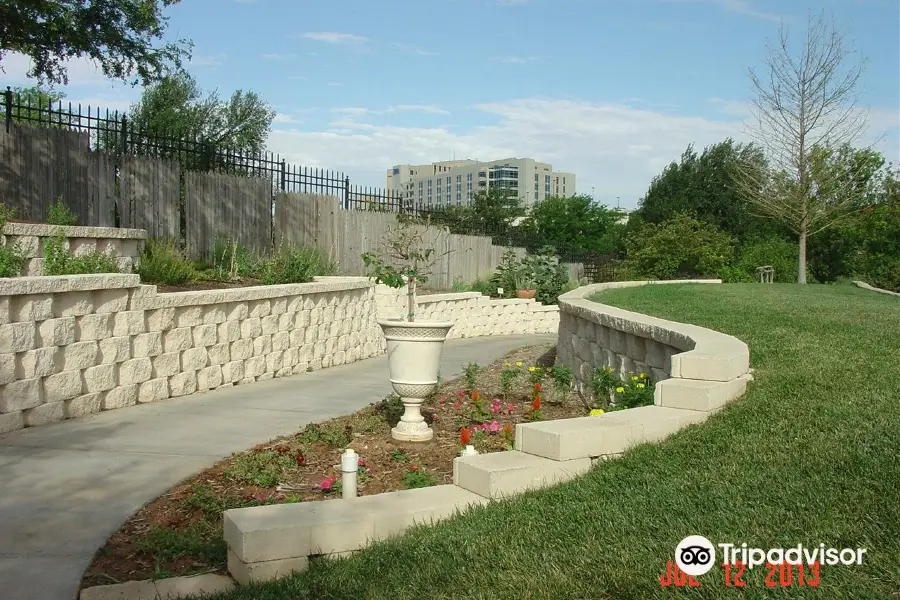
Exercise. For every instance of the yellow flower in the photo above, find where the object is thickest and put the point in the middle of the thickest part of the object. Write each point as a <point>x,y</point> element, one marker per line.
<point>519,363</point>
<point>633,378</point>
<point>597,412</point>
<point>609,369</point>
<point>620,390</point>
<point>643,376</point>
<point>507,364</point>
<point>531,369</point>
<point>640,386</point>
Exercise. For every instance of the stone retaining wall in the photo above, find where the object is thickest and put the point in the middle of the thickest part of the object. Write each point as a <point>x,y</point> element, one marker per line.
<point>75,345</point>
<point>475,315</point>
<point>124,244</point>
<point>686,362</point>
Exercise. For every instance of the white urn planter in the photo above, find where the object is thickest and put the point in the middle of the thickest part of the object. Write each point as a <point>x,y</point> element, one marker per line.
<point>414,358</point>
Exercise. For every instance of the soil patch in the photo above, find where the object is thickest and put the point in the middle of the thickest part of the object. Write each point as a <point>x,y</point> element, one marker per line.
<point>180,533</point>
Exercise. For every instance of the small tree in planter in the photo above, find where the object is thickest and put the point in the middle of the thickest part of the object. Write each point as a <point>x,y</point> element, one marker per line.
<point>403,246</point>
<point>414,348</point>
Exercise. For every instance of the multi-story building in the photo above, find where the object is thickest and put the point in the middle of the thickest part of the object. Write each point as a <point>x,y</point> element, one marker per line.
<point>454,182</point>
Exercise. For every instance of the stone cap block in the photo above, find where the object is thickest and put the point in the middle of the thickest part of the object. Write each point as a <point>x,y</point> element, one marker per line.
<point>73,231</point>
<point>47,284</point>
<point>502,474</point>
<point>451,297</point>
<point>154,299</point>
<point>699,395</point>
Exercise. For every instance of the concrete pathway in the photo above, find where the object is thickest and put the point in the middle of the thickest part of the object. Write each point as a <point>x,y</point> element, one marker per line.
<point>65,488</point>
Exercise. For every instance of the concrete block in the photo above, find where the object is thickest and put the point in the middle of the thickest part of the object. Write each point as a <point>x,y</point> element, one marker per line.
<point>209,378</point>
<point>711,364</point>
<point>147,344</point>
<point>131,590</point>
<point>100,378</point>
<point>7,368</point>
<point>79,355</point>
<point>81,406</point>
<point>73,304</point>
<point>198,585</point>
<point>56,332</point>
<point>115,349</point>
<point>177,340</point>
<point>194,359</point>
<point>41,362</point>
<point>120,397</point>
<point>135,370</point>
<point>161,319</point>
<point>33,307</point>
<point>692,394</point>
<point>395,512</point>
<point>501,474</point>
<point>110,301</point>
<point>49,412</point>
<point>166,365</point>
<point>260,308</point>
<point>62,386</point>
<point>247,573</point>
<point>17,337</point>
<point>236,311</point>
<point>188,316</point>
<point>229,331</point>
<point>153,390</point>
<point>204,335</point>
<point>262,345</point>
<point>292,530</point>
<point>242,349</point>
<point>11,421</point>
<point>82,246</point>
<point>219,354</point>
<point>183,384</point>
<point>233,371</point>
<point>93,327</point>
<point>21,395</point>
<point>251,328</point>
<point>129,322</point>
<point>269,324</point>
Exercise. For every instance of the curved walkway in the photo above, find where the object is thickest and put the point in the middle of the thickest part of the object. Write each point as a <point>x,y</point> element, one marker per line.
<point>65,488</point>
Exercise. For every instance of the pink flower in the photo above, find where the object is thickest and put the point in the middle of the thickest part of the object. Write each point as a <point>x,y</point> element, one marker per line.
<point>443,398</point>
<point>327,483</point>
<point>362,463</point>
<point>460,394</point>
<point>510,408</point>
<point>492,427</point>
<point>261,497</point>
<point>457,404</point>
<point>495,406</point>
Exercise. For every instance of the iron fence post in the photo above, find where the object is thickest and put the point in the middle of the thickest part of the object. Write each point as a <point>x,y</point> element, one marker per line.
<point>124,135</point>
<point>8,98</point>
<point>347,193</point>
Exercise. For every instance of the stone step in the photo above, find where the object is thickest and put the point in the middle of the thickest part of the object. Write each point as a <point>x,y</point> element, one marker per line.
<point>584,438</point>
<point>267,540</point>
<point>698,395</point>
<point>501,474</point>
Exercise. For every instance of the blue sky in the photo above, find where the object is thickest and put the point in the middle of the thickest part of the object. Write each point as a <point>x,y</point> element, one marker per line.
<point>612,90</point>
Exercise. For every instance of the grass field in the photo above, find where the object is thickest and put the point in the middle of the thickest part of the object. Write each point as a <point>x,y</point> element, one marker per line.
<point>810,455</point>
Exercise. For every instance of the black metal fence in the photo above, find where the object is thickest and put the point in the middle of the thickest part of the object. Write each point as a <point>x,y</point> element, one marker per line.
<point>113,133</point>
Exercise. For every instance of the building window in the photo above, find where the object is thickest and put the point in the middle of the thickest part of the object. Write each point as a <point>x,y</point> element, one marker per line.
<point>482,174</point>
<point>429,184</point>
<point>458,198</point>
<point>448,180</point>
<point>468,177</point>
<point>537,177</point>
<point>448,197</point>
<point>459,180</point>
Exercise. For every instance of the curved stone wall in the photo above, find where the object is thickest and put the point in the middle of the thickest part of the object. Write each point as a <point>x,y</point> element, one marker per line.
<point>694,367</point>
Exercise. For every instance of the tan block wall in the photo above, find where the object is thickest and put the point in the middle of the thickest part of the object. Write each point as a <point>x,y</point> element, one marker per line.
<point>71,346</point>
<point>124,244</point>
<point>474,315</point>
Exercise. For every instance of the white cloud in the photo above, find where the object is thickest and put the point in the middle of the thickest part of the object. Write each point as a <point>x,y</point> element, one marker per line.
<point>615,148</point>
<point>425,108</point>
<point>208,60</point>
<point>82,72</point>
<point>297,78</point>
<point>741,7</point>
<point>332,37</point>
<point>412,48</point>
<point>517,60</point>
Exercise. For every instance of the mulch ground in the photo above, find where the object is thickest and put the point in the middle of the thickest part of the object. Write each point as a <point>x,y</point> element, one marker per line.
<point>180,533</point>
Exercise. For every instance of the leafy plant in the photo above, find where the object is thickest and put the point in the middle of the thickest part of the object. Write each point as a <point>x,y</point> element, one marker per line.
<point>391,408</point>
<point>163,263</point>
<point>290,264</point>
<point>258,468</point>
<point>471,372</point>
<point>58,260</point>
<point>417,477</point>
<point>549,276</point>
<point>403,259</point>
<point>505,275</point>
<point>233,261</point>
<point>508,376</point>
<point>12,259</point>
<point>202,539</point>
<point>612,393</point>
<point>332,433</point>
<point>60,214</point>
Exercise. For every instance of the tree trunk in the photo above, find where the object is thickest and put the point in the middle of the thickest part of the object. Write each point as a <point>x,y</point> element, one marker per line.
<point>801,263</point>
<point>411,300</point>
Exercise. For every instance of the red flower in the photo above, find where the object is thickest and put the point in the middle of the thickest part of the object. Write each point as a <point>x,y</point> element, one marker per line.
<point>362,463</point>
<point>443,398</point>
<point>536,405</point>
<point>465,436</point>
<point>300,458</point>
<point>537,386</point>
<point>413,468</point>
<point>475,396</point>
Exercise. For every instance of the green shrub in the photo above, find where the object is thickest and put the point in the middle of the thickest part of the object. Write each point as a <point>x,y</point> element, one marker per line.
<point>233,261</point>
<point>549,277</point>
<point>11,256</point>
<point>295,265</point>
<point>776,252</point>
<point>59,214</point>
<point>681,247</point>
<point>505,275</point>
<point>162,263</point>
<point>58,260</point>
<point>484,287</point>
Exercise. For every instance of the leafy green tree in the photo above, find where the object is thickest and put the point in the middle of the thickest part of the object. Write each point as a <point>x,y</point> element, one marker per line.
<point>121,35</point>
<point>493,212</point>
<point>706,186</point>
<point>575,224</point>
<point>678,248</point>
<point>37,105</point>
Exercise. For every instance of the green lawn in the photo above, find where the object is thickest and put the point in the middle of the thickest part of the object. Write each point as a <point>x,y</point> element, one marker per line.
<point>811,455</point>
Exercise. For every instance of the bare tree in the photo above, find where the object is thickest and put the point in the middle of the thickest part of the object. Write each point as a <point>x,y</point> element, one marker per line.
<point>805,102</point>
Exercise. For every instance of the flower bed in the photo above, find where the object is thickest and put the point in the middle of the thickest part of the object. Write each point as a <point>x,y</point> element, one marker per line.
<point>181,532</point>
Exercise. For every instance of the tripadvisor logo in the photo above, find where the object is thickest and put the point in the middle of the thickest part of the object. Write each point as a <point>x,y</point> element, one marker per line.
<point>695,555</point>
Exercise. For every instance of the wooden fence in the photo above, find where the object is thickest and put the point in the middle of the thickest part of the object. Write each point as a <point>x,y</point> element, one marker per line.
<point>39,165</point>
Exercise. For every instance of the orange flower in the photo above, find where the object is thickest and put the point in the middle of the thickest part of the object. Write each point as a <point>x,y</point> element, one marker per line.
<point>536,405</point>
<point>465,436</point>
<point>475,396</point>
<point>537,386</point>
<point>508,429</point>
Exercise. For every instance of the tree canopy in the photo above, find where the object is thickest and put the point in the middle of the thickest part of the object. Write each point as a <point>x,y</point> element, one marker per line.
<point>575,224</point>
<point>123,36</point>
<point>176,108</point>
